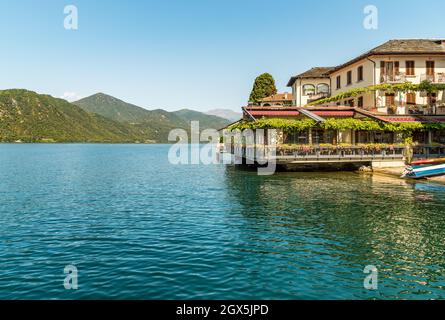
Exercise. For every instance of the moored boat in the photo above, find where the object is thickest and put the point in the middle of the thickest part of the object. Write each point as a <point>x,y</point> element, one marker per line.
<point>428,162</point>
<point>425,169</point>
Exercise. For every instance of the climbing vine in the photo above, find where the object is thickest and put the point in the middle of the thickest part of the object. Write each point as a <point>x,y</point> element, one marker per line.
<point>289,125</point>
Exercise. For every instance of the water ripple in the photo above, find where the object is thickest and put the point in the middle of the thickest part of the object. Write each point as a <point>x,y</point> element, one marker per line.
<point>137,227</point>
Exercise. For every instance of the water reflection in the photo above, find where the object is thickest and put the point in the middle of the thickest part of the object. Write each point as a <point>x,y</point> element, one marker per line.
<point>334,224</point>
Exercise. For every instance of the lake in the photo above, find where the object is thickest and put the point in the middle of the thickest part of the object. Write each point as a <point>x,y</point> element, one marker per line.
<point>137,227</point>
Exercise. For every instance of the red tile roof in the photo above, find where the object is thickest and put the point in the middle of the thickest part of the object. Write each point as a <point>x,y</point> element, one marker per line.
<point>420,118</point>
<point>335,113</point>
<point>283,113</point>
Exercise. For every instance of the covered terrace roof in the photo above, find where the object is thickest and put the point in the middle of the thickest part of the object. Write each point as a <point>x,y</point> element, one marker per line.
<point>320,113</point>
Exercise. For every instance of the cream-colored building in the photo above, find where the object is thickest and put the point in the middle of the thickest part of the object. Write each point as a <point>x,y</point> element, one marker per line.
<point>311,85</point>
<point>396,61</point>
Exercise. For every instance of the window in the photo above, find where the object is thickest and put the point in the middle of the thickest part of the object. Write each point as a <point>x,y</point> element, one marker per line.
<point>360,74</point>
<point>389,70</point>
<point>410,68</point>
<point>432,98</point>
<point>323,88</point>
<point>360,102</point>
<point>410,98</point>
<point>308,89</point>
<point>338,82</point>
<point>383,137</point>
<point>320,136</point>
<point>297,137</point>
<point>439,136</point>
<point>430,68</point>
<point>350,103</point>
<point>390,99</point>
<point>349,78</point>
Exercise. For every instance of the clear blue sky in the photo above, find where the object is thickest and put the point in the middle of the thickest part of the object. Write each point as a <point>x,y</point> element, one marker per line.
<point>199,54</point>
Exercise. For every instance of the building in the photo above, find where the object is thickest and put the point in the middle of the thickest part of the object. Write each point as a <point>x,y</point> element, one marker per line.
<point>379,109</point>
<point>279,99</point>
<point>394,62</point>
<point>310,86</point>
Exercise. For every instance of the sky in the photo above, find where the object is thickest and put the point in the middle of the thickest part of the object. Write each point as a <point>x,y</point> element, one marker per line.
<point>197,54</point>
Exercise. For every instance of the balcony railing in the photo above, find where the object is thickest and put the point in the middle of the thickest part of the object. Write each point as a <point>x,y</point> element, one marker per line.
<point>393,78</point>
<point>422,110</point>
<point>434,78</point>
<point>318,96</point>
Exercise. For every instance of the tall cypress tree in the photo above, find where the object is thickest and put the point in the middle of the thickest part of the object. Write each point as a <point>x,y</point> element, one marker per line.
<point>264,86</point>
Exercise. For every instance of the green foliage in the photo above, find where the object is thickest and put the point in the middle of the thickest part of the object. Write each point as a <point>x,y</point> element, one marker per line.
<point>350,123</point>
<point>206,121</point>
<point>424,86</point>
<point>114,109</point>
<point>30,117</point>
<point>155,124</point>
<point>264,86</point>
<point>434,126</point>
<point>289,125</point>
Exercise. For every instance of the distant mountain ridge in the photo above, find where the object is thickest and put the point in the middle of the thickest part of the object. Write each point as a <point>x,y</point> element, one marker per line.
<point>27,116</point>
<point>112,108</point>
<point>159,122</point>
<point>228,114</point>
<point>206,121</point>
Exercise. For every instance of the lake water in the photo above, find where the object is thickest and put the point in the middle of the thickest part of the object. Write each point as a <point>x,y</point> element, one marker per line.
<point>137,227</point>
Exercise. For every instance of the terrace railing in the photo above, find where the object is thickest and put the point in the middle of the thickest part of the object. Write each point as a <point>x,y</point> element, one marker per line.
<point>434,78</point>
<point>426,110</point>
<point>393,78</point>
<point>318,96</point>
<point>335,153</point>
<point>341,153</point>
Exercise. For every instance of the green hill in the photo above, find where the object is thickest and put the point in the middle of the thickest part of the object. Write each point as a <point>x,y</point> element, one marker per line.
<point>206,121</point>
<point>113,108</point>
<point>31,117</point>
<point>157,123</point>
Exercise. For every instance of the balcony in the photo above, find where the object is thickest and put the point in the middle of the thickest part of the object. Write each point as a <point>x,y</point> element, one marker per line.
<point>393,78</point>
<point>318,96</point>
<point>421,110</point>
<point>434,78</point>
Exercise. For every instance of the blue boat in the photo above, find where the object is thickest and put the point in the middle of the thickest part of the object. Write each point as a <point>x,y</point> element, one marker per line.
<point>425,169</point>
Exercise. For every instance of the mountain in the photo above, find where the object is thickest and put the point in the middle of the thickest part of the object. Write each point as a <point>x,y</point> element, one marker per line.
<point>157,122</point>
<point>206,121</point>
<point>232,116</point>
<point>31,117</point>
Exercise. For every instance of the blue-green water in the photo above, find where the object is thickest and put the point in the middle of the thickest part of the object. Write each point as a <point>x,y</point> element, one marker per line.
<point>137,227</point>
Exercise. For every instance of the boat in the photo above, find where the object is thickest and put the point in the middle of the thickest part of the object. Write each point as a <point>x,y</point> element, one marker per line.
<point>428,162</point>
<point>425,169</point>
